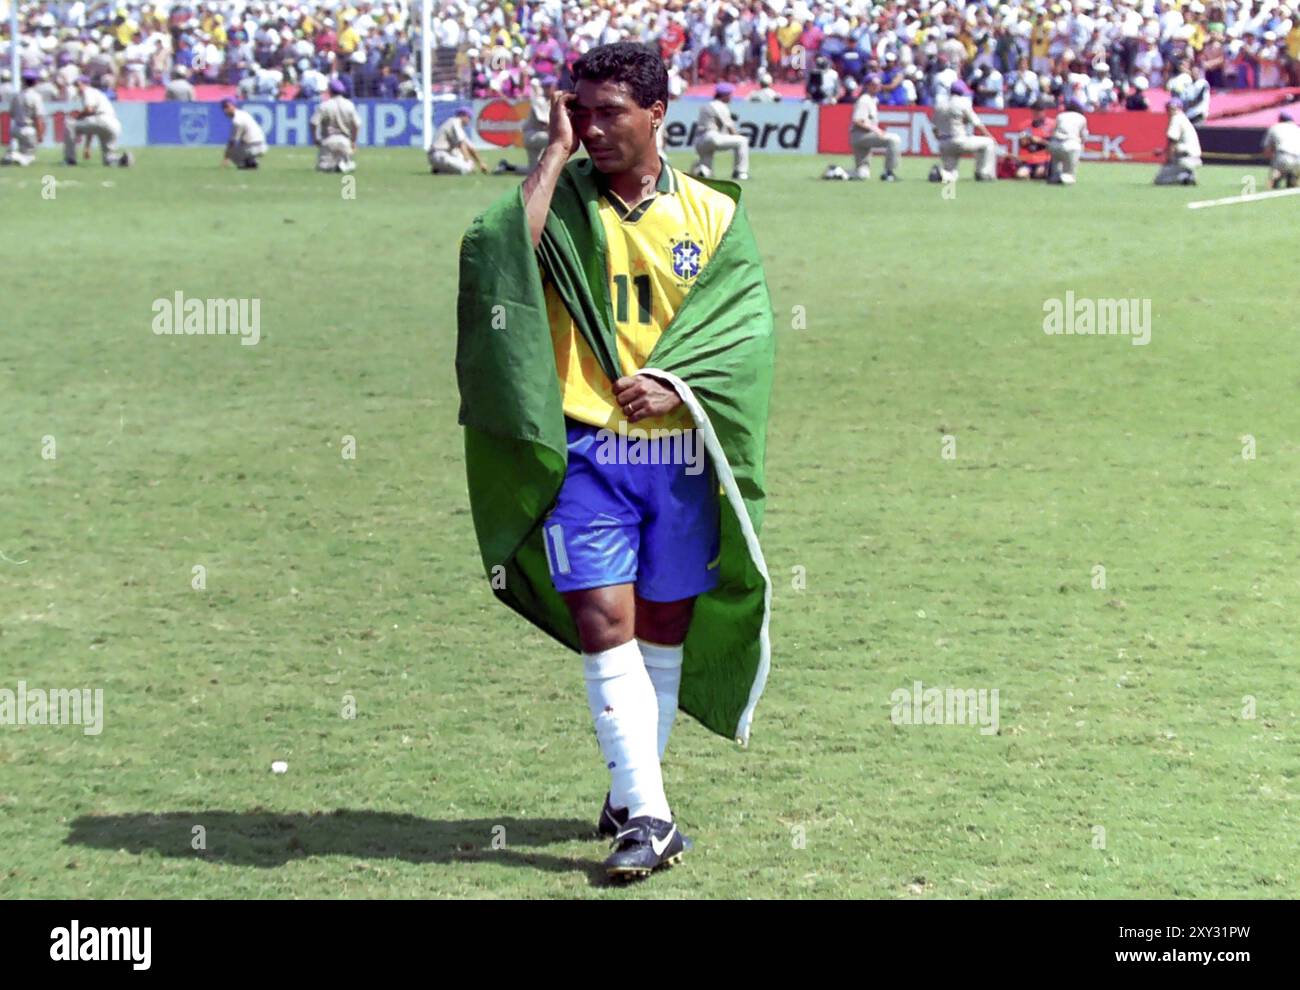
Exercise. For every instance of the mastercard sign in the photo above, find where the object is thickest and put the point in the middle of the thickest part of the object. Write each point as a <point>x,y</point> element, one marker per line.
<point>501,123</point>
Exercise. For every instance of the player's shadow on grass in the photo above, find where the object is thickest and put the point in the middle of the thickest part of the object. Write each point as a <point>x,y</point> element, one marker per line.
<point>265,839</point>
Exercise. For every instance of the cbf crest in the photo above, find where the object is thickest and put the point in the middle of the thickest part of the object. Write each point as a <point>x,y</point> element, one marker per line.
<point>687,257</point>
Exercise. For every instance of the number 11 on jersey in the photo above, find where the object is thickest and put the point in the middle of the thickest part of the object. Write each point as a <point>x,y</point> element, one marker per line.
<point>642,284</point>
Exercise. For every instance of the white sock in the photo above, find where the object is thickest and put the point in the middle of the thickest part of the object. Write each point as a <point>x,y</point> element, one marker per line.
<point>664,665</point>
<point>623,707</point>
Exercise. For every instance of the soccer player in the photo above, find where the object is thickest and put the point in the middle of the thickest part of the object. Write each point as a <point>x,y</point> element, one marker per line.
<point>954,119</point>
<point>95,119</point>
<point>27,118</point>
<point>1066,145</point>
<point>718,132</point>
<point>451,153</point>
<point>866,134</point>
<point>630,542</point>
<point>247,141</point>
<point>335,126</point>
<point>1282,142</point>
<point>1182,150</point>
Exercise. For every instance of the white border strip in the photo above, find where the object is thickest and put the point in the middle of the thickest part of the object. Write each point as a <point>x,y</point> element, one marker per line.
<point>728,479</point>
<point>1252,198</point>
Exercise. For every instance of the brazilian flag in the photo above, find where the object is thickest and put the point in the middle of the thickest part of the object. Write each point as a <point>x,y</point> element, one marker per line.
<point>718,353</point>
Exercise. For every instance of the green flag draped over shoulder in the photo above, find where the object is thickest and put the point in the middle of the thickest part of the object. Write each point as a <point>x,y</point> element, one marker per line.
<point>718,353</point>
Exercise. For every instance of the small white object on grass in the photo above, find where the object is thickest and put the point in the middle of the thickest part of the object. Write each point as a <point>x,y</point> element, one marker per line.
<point>279,766</point>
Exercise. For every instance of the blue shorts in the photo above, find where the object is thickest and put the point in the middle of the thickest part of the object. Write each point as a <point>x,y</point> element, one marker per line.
<point>655,525</point>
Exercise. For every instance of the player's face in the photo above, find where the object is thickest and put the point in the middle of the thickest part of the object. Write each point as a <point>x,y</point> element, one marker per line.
<point>615,131</point>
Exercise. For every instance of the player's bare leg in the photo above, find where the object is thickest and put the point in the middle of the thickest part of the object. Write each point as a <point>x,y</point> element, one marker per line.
<point>605,617</point>
<point>663,622</point>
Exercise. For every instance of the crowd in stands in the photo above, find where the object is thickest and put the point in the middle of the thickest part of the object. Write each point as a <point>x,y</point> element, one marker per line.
<point>268,50</point>
<point>1102,54</point>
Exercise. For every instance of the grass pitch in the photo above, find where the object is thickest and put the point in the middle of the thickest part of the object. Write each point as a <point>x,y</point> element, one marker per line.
<point>1147,729</point>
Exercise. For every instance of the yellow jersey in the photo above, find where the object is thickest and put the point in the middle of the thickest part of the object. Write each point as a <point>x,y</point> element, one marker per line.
<point>787,37</point>
<point>1040,41</point>
<point>653,251</point>
<point>126,31</point>
<point>348,40</point>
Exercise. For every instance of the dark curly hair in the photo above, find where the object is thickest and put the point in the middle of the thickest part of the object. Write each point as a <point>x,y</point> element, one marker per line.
<point>627,62</point>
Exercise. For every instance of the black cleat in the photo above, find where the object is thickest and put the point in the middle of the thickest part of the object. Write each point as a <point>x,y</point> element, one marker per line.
<point>889,177</point>
<point>611,820</point>
<point>644,845</point>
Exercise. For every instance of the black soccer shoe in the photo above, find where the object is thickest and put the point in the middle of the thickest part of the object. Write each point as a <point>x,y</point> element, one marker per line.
<point>611,819</point>
<point>644,845</point>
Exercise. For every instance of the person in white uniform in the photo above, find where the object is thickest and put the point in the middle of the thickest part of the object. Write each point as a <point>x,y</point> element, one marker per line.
<point>247,142</point>
<point>1183,150</point>
<point>335,126</point>
<point>866,135</point>
<point>717,131</point>
<point>95,119</point>
<point>954,124</point>
<point>1282,144</point>
<point>537,123</point>
<point>27,119</point>
<point>451,153</point>
<point>1066,145</point>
